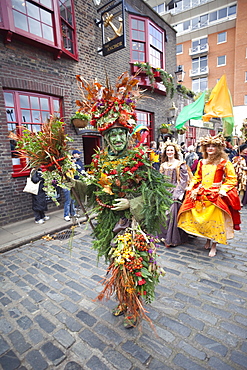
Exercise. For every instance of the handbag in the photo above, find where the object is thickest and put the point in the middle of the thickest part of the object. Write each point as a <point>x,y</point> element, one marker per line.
<point>31,187</point>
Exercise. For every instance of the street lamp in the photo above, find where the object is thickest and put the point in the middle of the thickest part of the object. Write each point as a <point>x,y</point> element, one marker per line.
<point>180,74</point>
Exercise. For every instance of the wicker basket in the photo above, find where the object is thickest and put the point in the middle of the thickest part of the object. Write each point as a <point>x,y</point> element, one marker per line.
<point>80,123</point>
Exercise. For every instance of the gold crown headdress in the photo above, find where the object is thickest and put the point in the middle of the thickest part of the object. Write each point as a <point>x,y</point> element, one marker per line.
<point>172,143</point>
<point>218,140</point>
<point>108,106</point>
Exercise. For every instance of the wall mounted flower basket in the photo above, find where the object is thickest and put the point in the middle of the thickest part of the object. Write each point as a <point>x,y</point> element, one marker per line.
<point>80,123</point>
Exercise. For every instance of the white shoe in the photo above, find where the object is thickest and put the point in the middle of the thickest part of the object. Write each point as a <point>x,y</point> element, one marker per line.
<point>41,221</point>
<point>46,218</point>
<point>67,218</point>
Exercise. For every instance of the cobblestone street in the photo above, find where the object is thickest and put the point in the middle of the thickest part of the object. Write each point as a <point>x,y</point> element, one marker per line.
<point>49,319</point>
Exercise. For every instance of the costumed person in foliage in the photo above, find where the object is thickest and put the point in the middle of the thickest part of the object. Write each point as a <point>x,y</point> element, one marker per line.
<point>240,164</point>
<point>211,206</point>
<point>177,173</point>
<point>130,197</point>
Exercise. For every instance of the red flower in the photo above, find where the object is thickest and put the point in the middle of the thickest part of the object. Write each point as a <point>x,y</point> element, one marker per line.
<point>138,273</point>
<point>141,282</point>
<point>113,172</point>
<point>144,292</point>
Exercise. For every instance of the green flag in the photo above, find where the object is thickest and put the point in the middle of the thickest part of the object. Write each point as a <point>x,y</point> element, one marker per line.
<point>228,122</point>
<point>191,111</point>
<point>228,125</point>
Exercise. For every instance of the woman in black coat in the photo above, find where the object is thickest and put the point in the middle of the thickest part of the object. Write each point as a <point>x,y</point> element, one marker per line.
<point>39,203</point>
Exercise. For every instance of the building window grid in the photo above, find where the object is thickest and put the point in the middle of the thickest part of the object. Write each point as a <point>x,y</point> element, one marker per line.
<point>34,19</point>
<point>199,65</point>
<point>138,40</point>
<point>205,19</point>
<point>49,22</point>
<point>199,84</point>
<point>199,45</point>
<point>29,110</point>
<point>245,77</point>
<point>147,43</point>
<point>245,100</point>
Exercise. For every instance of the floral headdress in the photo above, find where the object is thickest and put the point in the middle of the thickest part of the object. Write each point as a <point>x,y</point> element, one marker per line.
<point>173,143</point>
<point>218,140</point>
<point>110,106</point>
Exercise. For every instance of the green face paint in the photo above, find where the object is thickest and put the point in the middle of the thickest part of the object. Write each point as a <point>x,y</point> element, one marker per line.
<point>118,139</point>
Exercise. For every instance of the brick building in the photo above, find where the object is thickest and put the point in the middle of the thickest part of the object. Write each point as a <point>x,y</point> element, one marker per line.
<point>43,45</point>
<point>211,41</point>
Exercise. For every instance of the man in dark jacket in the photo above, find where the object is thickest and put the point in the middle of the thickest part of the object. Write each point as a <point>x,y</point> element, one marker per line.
<point>79,165</point>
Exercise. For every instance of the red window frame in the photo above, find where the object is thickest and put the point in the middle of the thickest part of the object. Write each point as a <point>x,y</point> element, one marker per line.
<point>191,136</point>
<point>62,20</point>
<point>151,43</point>
<point>146,119</point>
<point>30,110</point>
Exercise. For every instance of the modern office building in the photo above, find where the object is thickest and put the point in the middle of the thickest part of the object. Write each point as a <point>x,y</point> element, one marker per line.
<point>211,41</point>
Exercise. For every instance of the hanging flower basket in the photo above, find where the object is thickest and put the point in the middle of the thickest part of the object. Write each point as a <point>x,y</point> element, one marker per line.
<point>79,123</point>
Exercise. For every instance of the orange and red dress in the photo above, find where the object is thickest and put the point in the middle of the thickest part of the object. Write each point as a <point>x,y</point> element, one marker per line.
<point>205,212</point>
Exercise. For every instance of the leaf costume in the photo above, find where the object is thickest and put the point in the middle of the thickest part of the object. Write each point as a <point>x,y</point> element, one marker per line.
<point>123,235</point>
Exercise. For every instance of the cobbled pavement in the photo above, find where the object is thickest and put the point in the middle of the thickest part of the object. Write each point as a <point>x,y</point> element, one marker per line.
<point>50,320</point>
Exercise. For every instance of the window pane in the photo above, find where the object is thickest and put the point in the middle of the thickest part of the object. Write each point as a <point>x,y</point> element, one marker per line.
<point>20,21</point>
<point>10,113</point>
<point>134,23</point>
<point>179,49</point>
<point>186,25</point>
<point>36,128</point>
<point>212,16</point>
<point>221,37</point>
<point>25,116</point>
<point>56,106</point>
<point>24,101</point>
<point>203,84</point>
<point>35,27</point>
<point>17,4</point>
<point>45,117</point>
<point>9,100</point>
<point>222,13</point>
<point>33,11</point>
<point>232,9</point>
<point>47,3</point>
<point>34,102</point>
<point>203,20</point>
<point>44,103</point>
<point>221,60</point>
<point>195,23</point>
<point>36,116</point>
<point>46,17</point>
<point>47,32</point>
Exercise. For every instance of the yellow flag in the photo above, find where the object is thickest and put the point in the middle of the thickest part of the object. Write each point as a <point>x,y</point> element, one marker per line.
<point>219,104</point>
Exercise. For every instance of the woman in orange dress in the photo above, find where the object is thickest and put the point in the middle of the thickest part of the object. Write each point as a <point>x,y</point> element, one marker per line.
<point>211,206</point>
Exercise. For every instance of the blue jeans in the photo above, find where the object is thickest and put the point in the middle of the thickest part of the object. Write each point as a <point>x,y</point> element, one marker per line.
<point>69,204</point>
